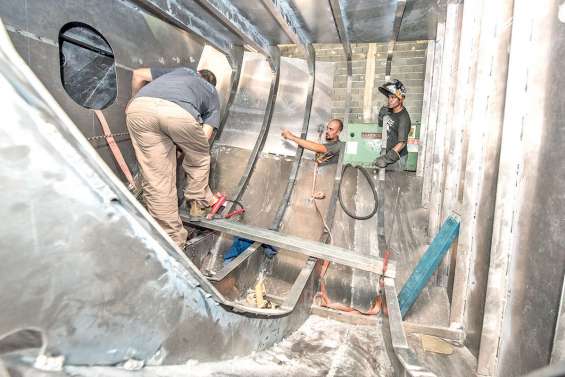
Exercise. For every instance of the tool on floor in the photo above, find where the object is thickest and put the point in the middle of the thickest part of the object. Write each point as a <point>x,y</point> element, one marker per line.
<point>428,263</point>
<point>220,205</point>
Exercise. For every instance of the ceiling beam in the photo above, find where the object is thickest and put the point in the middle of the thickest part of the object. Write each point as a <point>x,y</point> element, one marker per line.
<point>225,12</point>
<point>283,13</point>
<point>184,19</point>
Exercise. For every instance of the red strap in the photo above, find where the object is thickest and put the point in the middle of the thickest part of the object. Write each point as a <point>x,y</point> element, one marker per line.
<point>115,148</point>
<point>325,300</point>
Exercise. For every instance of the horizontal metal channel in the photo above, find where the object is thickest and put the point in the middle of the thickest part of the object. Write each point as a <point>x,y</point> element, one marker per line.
<point>298,245</point>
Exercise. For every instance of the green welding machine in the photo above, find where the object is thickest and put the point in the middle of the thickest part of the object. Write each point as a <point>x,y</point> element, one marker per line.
<point>363,144</point>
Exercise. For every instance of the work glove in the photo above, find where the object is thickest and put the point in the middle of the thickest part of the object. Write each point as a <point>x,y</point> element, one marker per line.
<point>386,159</point>
<point>382,112</point>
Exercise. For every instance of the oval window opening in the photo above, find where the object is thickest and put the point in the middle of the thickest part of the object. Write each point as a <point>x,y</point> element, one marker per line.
<point>87,66</point>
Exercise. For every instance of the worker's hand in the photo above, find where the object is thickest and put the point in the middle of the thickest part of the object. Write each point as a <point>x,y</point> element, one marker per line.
<point>286,134</point>
<point>208,130</point>
<point>386,159</point>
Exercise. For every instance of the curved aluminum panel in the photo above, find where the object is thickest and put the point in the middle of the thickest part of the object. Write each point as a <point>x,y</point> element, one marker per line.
<point>85,264</point>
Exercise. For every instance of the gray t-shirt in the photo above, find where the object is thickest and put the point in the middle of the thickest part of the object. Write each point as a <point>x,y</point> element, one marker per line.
<point>184,87</point>
<point>332,155</point>
<point>398,127</point>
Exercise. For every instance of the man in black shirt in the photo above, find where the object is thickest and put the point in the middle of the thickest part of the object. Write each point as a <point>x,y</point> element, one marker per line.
<point>395,119</point>
<point>325,153</point>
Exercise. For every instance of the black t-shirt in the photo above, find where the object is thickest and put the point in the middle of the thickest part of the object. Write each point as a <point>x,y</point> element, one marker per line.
<point>187,89</point>
<point>397,127</point>
<point>332,155</point>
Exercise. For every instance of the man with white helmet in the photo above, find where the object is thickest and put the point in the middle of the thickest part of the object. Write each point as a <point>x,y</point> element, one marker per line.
<point>395,118</point>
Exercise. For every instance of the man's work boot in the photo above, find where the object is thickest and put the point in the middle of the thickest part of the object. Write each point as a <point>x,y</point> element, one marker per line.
<point>196,212</point>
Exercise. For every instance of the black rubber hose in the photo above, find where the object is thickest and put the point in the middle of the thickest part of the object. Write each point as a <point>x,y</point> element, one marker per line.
<point>373,189</point>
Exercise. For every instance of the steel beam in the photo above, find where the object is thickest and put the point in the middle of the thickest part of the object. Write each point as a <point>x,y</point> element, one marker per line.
<point>408,360</point>
<point>298,245</point>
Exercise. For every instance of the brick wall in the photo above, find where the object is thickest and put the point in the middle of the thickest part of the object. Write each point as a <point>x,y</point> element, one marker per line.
<point>408,65</point>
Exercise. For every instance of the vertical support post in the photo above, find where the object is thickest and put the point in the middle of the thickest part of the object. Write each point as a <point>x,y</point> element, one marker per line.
<point>447,85</point>
<point>344,38</point>
<point>524,205</point>
<point>432,116</point>
<point>369,83</point>
<point>426,103</point>
<point>466,78</point>
<point>484,132</point>
<point>558,348</point>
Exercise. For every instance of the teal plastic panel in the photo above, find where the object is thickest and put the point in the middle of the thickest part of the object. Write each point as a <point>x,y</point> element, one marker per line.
<point>428,263</point>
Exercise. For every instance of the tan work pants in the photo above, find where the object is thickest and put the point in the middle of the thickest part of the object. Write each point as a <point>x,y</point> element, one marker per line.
<point>156,127</point>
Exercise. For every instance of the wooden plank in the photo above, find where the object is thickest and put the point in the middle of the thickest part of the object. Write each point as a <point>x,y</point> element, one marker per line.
<point>428,263</point>
<point>456,335</point>
<point>298,245</point>
<point>346,317</point>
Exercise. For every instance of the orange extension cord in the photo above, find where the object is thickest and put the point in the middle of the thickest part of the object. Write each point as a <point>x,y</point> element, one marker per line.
<point>323,294</point>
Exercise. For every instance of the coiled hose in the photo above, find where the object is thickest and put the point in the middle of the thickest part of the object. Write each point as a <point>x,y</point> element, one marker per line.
<point>373,189</point>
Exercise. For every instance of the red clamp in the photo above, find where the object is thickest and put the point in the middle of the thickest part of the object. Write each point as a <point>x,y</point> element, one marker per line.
<point>216,207</point>
<point>234,213</point>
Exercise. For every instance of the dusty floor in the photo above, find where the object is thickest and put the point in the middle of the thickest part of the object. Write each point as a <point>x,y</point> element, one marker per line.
<point>321,347</point>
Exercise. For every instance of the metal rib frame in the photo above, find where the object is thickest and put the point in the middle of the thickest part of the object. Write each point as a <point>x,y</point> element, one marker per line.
<point>236,62</point>
<point>399,14</point>
<point>299,151</point>
<point>287,20</point>
<point>344,38</point>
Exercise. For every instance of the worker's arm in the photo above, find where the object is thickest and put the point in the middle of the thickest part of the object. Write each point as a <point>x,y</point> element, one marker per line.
<point>306,144</point>
<point>139,78</point>
<point>399,147</point>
